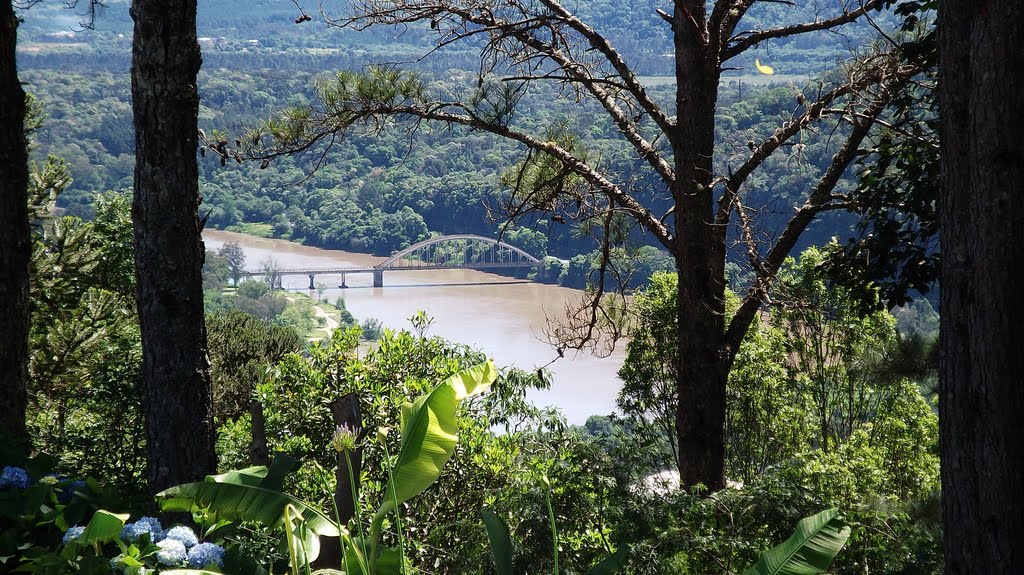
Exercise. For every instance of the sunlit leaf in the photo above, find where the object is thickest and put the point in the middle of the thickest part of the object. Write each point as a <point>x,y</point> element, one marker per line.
<point>809,551</point>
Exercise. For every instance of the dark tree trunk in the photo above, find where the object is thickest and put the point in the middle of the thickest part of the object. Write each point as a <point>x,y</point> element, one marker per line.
<point>259,453</point>
<point>168,245</point>
<point>15,237</point>
<point>982,396</point>
<point>700,258</point>
<point>347,413</point>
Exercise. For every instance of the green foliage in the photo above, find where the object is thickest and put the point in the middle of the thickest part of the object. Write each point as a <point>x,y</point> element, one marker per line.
<point>242,349</point>
<point>834,348</point>
<point>809,551</point>
<point>824,410</point>
<point>769,418</point>
<point>648,397</point>
<point>256,298</point>
<point>252,289</point>
<point>502,549</point>
<point>235,259</point>
<point>372,328</point>
<point>215,272</point>
<point>36,513</point>
<point>253,494</point>
<point>429,428</point>
<point>378,193</point>
<point>767,410</point>
<point>298,392</point>
<point>429,432</point>
<point>86,358</point>
<point>500,540</point>
<point>895,251</point>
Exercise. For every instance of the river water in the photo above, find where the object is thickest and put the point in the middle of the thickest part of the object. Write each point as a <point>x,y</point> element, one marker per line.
<point>503,317</point>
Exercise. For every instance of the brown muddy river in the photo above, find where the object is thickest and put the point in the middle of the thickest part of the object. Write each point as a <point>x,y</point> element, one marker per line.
<point>503,317</point>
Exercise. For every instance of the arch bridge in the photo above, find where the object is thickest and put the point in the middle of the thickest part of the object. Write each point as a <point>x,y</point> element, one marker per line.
<point>458,251</point>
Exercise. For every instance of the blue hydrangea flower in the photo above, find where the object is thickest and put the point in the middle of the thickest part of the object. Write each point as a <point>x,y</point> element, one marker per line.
<point>151,525</point>
<point>14,477</point>
<point>67,490</point>
<point>73,533</point>
<point>172,552</point>
<point>205,554</point>
<point>183,534</point>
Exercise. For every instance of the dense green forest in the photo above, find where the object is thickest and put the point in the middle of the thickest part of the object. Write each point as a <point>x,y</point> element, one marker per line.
<point>777,414</point>
<point>381,192</point>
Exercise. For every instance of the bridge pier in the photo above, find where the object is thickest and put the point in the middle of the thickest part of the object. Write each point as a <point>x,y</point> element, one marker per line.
<point>378,278</point>
<point>312,286</point>
<point>343,284</point>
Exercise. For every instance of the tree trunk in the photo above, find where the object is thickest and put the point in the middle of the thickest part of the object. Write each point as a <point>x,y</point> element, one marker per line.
<point>259,453</point>
<point>168,245</point>
<point>347,413</point>
<point>15,237</point>
<point>700,258</point>
<point>982,399</point>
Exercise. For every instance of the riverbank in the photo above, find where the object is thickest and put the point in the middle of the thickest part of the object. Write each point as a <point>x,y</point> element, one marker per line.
<point>506,318</point>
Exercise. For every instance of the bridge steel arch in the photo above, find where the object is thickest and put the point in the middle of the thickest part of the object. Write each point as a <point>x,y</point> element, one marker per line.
<point>388,263</point>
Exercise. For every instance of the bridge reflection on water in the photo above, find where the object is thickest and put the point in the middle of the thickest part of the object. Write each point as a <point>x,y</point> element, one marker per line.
<point>461,251</point>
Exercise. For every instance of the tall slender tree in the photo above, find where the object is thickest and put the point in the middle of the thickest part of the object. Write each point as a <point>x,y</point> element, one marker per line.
<point>15,236</point>
<point>168,246</point>
<point>982,327</point>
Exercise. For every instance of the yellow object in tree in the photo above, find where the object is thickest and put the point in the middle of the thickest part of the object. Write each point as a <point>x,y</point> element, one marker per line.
<point>766,70</point>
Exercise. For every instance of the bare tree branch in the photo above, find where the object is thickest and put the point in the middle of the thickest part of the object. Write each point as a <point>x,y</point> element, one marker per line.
<point>817,202</point>
<point>629,79</point>
<point>745,40</point>
<point>316,129</point>
<point>544,35</point>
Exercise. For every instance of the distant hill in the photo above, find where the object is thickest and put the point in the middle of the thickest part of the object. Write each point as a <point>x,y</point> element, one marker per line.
<point>263,34</point>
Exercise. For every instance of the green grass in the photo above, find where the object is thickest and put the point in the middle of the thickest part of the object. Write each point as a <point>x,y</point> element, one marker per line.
<point>261,230</point>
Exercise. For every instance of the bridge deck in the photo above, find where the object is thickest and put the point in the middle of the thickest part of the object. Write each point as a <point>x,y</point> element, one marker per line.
<point>339,271</point>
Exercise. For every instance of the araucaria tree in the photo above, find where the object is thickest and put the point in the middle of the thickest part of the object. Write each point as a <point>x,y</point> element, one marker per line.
<point>15,238</point>
<point>168,246</point>
<point>691,200</point>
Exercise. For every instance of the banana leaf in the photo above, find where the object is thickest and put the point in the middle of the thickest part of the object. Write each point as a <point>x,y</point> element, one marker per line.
<point>237,502</point>
<point>809,551</point>
<point>252,476</point>
<point>104,526</point>
<point>501,542</point>
<point>429,433</point>
<point>612,563</point>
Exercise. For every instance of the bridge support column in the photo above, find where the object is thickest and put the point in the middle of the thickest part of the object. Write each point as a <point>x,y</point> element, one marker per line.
<point>378,278</point>
<point>343,284</point>
<point>312,286</point>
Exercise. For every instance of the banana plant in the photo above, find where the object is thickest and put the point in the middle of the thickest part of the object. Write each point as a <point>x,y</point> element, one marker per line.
<point>254,494</point>
<point>809,551</point>
<point>429,432</point>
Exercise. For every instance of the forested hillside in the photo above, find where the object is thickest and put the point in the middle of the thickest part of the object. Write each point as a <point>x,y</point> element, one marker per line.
<point>380,192</point>
<point>263,34</point>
